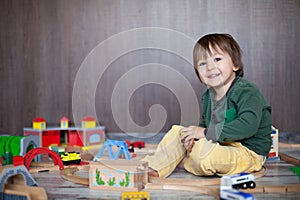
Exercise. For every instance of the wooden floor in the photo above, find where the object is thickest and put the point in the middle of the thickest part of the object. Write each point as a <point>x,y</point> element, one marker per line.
<point>278,173</point>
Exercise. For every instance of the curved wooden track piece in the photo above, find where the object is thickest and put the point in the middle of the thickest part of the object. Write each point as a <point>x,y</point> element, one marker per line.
<point>186,182</point>
<point>289,159</point>
<point>274,189</point>
<point>68,174</point>
<point>209,186</point>
<point>287,145</point>
<point>198,182</point>
<point>262,172</point>
<point>183,187</point>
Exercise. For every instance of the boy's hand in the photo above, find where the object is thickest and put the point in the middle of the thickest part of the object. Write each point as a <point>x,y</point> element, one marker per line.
<point>189,134</point>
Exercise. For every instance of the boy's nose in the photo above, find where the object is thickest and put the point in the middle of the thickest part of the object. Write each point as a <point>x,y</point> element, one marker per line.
<point>210,64</point>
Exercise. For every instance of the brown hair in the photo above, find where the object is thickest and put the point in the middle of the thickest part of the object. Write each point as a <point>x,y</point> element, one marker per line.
<point>224,42</point>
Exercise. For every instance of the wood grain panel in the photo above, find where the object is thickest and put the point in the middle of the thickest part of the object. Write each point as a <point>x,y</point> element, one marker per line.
<point>44,43</point>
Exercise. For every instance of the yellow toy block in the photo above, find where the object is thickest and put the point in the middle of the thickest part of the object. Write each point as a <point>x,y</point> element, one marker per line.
<point>88,122</point>
<point>39,123</point>
<point>142,195</point>
<point>64,123</point>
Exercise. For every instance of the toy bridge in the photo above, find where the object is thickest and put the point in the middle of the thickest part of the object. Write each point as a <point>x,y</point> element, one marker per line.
<point>17,183</point>
<point>122,149</point>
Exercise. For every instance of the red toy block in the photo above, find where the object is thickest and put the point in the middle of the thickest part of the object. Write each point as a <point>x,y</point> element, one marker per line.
<point>51,137</point>
<point>18,160</point>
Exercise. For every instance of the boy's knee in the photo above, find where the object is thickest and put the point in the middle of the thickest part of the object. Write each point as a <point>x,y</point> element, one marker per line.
<point>176,128</point>
<point>200,167</point>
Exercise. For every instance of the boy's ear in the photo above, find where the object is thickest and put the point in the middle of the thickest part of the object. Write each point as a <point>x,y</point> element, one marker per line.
<point>235,68</point>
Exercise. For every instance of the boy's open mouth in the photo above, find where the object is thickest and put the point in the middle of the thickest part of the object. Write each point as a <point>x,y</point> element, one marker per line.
<point>213,75</point>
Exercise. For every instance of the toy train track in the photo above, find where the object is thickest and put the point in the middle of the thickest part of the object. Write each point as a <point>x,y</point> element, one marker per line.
<point>289,159</point>
<point>69,174</point>
<point>203,186</point>
<point>215,191</point>
<point>198,182</point>
<point>182,187</point>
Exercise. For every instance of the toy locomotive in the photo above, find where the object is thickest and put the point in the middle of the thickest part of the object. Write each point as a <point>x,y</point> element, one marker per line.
<point>231,183</point>
<point>69,158</point>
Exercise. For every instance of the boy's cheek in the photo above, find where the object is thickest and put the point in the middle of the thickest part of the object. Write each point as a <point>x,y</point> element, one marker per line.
<point>202,79</point>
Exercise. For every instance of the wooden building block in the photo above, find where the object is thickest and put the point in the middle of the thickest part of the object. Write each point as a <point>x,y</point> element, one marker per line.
<point>39,123</point>
<point>122,175</point>
<point>64,123</point>
<point>273,154</point>
<point>88,122</point>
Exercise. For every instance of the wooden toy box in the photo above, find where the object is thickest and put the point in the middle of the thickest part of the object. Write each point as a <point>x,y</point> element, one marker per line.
<point>122,175</point>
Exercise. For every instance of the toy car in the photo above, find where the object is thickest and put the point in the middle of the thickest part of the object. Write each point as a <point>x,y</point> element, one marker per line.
<point>69,158</point>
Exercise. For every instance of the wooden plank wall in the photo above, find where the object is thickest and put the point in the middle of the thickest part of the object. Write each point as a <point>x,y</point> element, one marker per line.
<point>44,44</point>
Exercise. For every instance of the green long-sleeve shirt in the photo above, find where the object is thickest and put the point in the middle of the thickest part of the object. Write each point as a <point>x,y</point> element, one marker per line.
<point>242,115</point>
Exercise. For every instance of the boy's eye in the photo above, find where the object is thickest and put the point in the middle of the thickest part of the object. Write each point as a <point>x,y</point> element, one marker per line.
<point>202,64</point>
<point>217,59</point>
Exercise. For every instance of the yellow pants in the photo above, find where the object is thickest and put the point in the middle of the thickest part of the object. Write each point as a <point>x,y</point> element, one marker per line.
<point>205,159</point>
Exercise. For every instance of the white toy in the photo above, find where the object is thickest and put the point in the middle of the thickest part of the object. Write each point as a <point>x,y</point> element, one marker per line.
<point>231,183</point>
<point>238,181</point>
<point>235,194</point>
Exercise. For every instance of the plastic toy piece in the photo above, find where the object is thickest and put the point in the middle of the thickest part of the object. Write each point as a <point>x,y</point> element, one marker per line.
<point>136,144</point>
<point>235,194</point>
<point>230,184</point>
<point>16,146</point>
<point>30,141</point>
<point>69,158</point>
<point>296,170</point>
<point>122,148</point>
<point>237,181</point>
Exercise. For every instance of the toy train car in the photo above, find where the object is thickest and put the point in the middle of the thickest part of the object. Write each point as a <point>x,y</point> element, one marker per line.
<point>69,158</point>
<point>235,194</point>
<point>238,181</point>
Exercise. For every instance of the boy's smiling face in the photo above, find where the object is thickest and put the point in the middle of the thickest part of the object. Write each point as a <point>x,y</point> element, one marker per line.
<point>216,69</point>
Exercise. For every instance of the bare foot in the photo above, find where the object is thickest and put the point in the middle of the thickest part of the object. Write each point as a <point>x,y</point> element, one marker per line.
<point>152,172</point>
